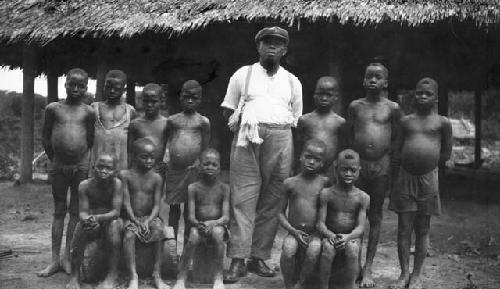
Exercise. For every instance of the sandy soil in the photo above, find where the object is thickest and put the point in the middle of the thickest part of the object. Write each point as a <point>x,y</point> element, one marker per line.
<point>465,240</point>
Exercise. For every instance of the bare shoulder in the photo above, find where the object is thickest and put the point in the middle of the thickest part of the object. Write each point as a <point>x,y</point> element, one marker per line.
<point>224,187</point>
<point>392,104</point>
<point>444,120</point>
<point>117,182</point>
<point>124,175</point>
<point>175,117</point>
<point>325,194</point>
<point>83,186</point>
<point>193,186</point>
<point>356,103</point>
<point>364,197</point>
<point>156,176</point>
<point>203,119</point>
<point>52,106</point>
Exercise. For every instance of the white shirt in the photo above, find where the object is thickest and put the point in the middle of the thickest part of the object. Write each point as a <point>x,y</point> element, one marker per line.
<point>270,96</point>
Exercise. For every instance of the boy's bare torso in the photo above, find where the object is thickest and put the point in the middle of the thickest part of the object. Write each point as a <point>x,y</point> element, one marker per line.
<point>186,137</point>
<point>372,127</point>
<point>100,197</point>
<point>209,200</point>
<point>422,143</point>
<point>303,201</point>
<point>69,137</point>
<point>155,130</point>
<point>343,209</point>
<point>141,189</point>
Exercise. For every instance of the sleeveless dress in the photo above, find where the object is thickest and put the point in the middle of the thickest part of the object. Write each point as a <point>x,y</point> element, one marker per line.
<point>111,140</point>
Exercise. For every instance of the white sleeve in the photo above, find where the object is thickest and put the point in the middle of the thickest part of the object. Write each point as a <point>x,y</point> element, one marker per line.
<point>296,101</point>
<point>233,91</point>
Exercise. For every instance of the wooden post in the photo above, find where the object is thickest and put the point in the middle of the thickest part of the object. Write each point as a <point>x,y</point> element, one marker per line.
<point>443,100</point>
<point>334,36</point>
<point>27,113</point>
<point>477,122</point>
<point>100,77</point>
<point>52,92</point>
<point>131,92</point>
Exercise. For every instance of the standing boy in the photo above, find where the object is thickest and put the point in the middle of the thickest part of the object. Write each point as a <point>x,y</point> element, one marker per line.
<point>301,196</point>
<point>342,218</point>
<point>100,203</point>
<point>113,117</point>
<point>425,143</point>
<point>208,201</point>
<point>68,134</point>
<point>189,135</point>
<point>142,194</point>
<point>323,123</point>
<point>372,124</point>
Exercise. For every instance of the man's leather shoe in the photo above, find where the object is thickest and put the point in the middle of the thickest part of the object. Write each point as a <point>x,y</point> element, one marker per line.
<point>259,267</point>
<point>236,270</point>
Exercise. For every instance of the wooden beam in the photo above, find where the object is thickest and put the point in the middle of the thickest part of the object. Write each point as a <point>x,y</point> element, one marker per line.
<point>478,104</point>
<point>100,77</point>
<point>27,113</point>
<point>52,92</point>
<point>443,100</point>
<point>131,92</point>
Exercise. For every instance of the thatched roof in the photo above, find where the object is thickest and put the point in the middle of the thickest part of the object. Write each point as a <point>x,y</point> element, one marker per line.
<point>44,20</point>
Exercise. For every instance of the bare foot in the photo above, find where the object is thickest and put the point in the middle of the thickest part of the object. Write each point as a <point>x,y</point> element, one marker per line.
<point>66,265</point>
<point>416,283</point>
<point>108,283</point>
<point>134,283</point>
<point>400,283</point>
<point>218,284</point>
<point>367,281</point>
<point>159,284</point>
<point>179,285</point>
<point>53,268</point>
<point>73,284</point>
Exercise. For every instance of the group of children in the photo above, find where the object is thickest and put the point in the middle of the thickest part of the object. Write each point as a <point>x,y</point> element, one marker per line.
<point>142,168</point>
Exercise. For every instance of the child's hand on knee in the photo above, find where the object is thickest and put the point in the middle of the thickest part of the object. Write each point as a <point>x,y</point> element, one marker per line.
<point>302,238</point>
<point>340,241</point>
<point>90,223</point>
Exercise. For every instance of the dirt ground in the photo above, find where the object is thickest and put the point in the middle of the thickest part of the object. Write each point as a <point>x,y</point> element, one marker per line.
<point>465,239</point>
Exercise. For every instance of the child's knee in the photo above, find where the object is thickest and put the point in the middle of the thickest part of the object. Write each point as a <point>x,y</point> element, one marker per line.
<point>128,236</point>
<point>194,236</point>
<point>114,231</point>
<point>290,246</point>
<point>327,249</point>
<point>314,246</point>
<point>352,249</point>
<point>218,234</point>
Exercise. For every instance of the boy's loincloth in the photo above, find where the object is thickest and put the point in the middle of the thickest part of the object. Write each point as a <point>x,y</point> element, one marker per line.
<point>177,182</point>
<point>416,193</point>
<point>353,241</point>
<point>208,237</point>
<point>96,232</point>
<point>157,230</point>
<point>371,170</point>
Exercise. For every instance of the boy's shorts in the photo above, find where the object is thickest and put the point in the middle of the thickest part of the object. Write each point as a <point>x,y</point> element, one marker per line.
<point>227,234</point>
<point>157,230</point>
<point>416,193</point>
<point>371,170</point>
<point>176,184</point>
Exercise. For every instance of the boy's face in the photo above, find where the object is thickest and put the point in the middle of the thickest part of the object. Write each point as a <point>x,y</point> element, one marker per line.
<point>271,49</point>
<point>325,94</point>
<point>210,165</point>
<point>312,159</point>
<point>151,101</point>
<point>375,80</point>
<point>190,98</point>
<point>145,157</point>
<point>425,95</point>
<point>76,86</point>
<point>347,170</point>
<point>104,167</point>
<point>114,88</point>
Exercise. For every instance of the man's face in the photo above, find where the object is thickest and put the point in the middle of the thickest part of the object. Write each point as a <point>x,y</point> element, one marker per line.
<point>312,159</point>
<point>425,95</point>
<point>210,165</point>
<point>375,80</point>
<point>271,49</point>
<point>190,98</point>
<point>146,157</point>
<point>151,102</point>
<point>325,94</point>
<point>76,86</point>
<point>114,88</point>
<point>347,170</point>
<point>104,167</point>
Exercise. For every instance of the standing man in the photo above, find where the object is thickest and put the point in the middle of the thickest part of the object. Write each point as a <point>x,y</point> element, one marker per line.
<point>263,101</point>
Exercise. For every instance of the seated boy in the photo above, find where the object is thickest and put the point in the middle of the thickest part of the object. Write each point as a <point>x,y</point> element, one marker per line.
<point>425,143</point>
<point>208,201</point>
<point>100,201</point>
<point>323,123</point>
<point>301,196</point>
<point>341,220</point>
<point>141,197</point>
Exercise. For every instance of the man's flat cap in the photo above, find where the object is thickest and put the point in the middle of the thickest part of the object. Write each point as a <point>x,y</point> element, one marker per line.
<point>274,32</point>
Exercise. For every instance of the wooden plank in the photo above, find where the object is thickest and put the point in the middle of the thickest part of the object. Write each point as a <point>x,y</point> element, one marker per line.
<point>52,89</point>
<point>131,92</point>
<point>477,123</point>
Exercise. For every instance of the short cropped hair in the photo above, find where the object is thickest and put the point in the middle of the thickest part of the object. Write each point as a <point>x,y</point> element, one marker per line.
<point>209,151</point>
<point>429,81</point>
<point>317,143</point>
<point>327,79</point>
<point>153,87</point>
<point>112,157</point>
<point>348,154</point>
<point>189,84</point>
<point>117,74</point>
<point>141,143</point>
<point>77,71</point>
<point>378,64</point>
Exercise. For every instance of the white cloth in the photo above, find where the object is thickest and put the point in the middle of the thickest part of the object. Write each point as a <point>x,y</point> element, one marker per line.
<point>270,98</point>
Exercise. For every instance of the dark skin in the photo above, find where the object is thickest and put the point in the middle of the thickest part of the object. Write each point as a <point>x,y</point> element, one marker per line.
<point>208,201</point>
<point>100,201</point>
<point>68,135</point>
<point>425,143</point>
<point>372,123</point>
<point>322,123</point>
<point>301,197</point>
<point>112,110</point>
<point>142,189</point>
<point>342,218</point>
